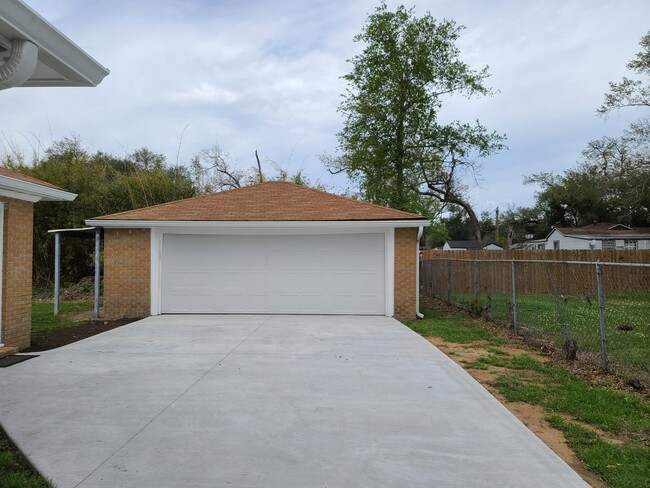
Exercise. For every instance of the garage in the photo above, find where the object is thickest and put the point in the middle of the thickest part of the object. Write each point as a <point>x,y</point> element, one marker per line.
<point>271,248</point>
<point>284,274</point>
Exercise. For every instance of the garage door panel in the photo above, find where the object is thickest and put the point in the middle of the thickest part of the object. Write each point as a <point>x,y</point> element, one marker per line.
<point>319,274</point>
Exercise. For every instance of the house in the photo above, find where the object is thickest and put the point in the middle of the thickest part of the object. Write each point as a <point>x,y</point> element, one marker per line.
<point>32,53</point>
<point>599,236</point>
<point>18,193</point>
<point>271,248</point>
<point>471,246</point>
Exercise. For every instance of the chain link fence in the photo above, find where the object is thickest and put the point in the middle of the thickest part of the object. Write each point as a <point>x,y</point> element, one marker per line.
<point>597,312</point>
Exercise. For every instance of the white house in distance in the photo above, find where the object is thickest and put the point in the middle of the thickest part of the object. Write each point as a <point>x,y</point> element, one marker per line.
<point>471,246</point>
<point>599,236</point>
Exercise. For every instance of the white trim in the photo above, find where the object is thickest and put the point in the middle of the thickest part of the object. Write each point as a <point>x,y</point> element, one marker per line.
<point>56,51</point>
<point>157,236</point>
<point>26,190</point>
<point>2,261</point>
<point>155,283</point>
<point>389,251</point>
<point>168,225</point>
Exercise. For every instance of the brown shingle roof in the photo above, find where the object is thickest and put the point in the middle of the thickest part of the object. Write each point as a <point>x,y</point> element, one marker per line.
<point>271,201</point>
<point>29,179</point>
<point>603,229</point>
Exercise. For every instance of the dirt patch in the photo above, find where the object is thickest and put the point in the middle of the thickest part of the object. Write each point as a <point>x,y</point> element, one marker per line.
<point>51,339</point>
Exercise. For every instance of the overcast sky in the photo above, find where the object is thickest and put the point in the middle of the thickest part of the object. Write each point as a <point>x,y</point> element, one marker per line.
<point>265,75</point>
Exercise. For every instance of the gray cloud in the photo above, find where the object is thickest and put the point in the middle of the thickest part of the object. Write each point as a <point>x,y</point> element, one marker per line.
<point>266,75</point>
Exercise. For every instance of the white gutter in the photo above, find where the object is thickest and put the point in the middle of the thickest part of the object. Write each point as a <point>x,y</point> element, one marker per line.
<point>32,192</point>
<point>248,224</point>
<point>73,66</point>
<point>417,275</point>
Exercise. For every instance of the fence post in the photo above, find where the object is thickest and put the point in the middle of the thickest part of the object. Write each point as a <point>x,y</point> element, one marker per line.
<point>515,310</point>
<point>57,272</point>
<point>601,310</point>
<point>449,280</point>
<point>475,283</point>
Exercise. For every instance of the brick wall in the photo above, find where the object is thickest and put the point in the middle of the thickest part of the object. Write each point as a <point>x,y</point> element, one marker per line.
<point>127,272</point>
<point>405,273</point>
<point>17,273</point>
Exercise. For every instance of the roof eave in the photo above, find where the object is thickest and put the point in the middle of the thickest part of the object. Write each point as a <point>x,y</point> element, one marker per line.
<point>261,224</point>
<point>32,192</point>
<point>76,67</point>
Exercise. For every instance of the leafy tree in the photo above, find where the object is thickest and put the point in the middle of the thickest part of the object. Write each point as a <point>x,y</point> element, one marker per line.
<point>610,184</point>
<point>393,145</point>
<point>631,92</point>
<point>612,181</point>
<point>104,184</point>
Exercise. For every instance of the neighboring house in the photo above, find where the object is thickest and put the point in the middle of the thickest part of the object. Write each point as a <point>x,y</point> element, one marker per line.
<point>32,53</point>
<point>18,193</point>
<point>471,246</point>
<point>531,244</point>
<point>599,236</point>
<point>271,248</point>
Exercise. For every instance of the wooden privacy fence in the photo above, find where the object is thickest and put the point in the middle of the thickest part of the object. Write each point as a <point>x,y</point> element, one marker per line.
<point>535,272</point>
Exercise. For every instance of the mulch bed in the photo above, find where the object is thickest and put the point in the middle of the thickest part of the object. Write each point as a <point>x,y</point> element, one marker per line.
<point>51,339</point>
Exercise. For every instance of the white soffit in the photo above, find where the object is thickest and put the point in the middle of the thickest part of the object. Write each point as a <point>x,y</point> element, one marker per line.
<point>60,61</point>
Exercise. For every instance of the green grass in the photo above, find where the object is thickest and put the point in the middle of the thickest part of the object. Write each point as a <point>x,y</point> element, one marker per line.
<point>622,466</point>
<point>453,330</point>
<point>522,378</point>
<point>43,318</point>
<point>15,472</point>
<point>577,317</point>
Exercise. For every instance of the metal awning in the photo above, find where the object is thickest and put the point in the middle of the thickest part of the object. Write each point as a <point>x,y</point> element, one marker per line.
<point>82,232</point>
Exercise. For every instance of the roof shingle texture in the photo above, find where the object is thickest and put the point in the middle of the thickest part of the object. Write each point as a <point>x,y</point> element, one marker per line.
<point>271,201</point>
<point>603,229</point>
<point>29,179</point>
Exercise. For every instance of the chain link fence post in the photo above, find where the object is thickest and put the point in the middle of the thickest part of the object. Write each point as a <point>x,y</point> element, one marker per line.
<point>601,311</point>
<point>515,311</point>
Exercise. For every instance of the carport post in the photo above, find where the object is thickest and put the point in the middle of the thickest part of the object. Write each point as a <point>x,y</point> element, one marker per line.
<point>57,271</point>
<point>97,270</point>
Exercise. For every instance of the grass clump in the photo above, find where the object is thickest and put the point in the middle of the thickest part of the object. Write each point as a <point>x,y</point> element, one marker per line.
<point>459,331</point>
<point>622,466</point>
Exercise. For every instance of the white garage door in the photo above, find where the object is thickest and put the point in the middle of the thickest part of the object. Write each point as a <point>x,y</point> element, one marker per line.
<point>312,274</point>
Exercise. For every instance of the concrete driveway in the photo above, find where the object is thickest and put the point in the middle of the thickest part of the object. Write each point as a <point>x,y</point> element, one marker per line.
<point>266,401</point>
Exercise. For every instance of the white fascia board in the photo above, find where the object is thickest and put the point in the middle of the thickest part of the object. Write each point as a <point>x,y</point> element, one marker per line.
<point>32,192</point>
<point>55,49</point>
<point>254,224</point>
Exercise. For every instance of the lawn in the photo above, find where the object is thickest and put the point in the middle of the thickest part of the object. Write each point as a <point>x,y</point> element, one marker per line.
<point>608,429</point>
<point>627,319</point>
<point>43,318</point>
<point>15,471</point>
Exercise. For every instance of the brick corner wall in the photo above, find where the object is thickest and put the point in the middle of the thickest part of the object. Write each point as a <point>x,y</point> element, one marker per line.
<point>17,273</point>
<point>405,273</point>
<point>127,273</point>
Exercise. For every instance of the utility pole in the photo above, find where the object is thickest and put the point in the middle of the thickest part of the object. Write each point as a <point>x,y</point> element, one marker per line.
<point>496,225</point>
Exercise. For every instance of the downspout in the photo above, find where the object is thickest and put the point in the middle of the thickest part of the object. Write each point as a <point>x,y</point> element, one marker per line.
<point>417,274</point>
<point>20,64</point>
